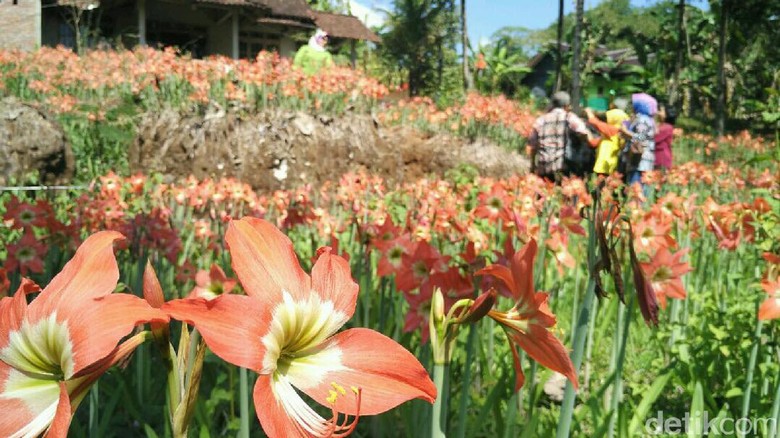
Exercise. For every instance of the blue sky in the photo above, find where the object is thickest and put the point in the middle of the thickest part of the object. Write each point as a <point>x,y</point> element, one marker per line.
<point>487,16</point>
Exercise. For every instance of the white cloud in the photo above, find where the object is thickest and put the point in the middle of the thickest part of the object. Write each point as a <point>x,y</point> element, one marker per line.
<point>369,15</point>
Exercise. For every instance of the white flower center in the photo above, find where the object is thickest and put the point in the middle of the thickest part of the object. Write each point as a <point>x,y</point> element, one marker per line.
<point>42,350</point>
<point>297,330</point>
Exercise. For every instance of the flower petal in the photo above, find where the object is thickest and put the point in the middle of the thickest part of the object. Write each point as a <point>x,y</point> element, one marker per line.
<point>231,325</point>
<point>13,309</point>
<point>264,260</point>
<point>272,401</point>
<point>152,290</point>
<point>96,332</point>
<point>523,272</point>
<point>546,349</point>
<point>332,279</point>
<point>28,405</point>
<point>502,273</point>
<point>59,427</point>
<point>519,375</point>
<point>382,369</point>
<point>770,308</point>
<point>91,273</point>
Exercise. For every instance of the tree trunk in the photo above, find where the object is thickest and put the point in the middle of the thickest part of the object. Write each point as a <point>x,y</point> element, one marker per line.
<point>558,49</point>
<point>575,61</point>
<point>468,80</point>
<point>674,90</point>
<point>720,109</point>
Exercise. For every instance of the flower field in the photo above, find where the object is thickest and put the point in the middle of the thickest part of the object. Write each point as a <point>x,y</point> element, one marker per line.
<point>462,306</point>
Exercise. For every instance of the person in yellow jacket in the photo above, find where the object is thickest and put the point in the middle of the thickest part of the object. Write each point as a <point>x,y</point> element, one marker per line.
<point>610,144</point>
<point>312,57</point>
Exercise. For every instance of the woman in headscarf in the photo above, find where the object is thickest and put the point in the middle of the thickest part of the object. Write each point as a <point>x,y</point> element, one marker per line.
<point>639,152</point>
<point>610,141</point>
<point>312,57</point>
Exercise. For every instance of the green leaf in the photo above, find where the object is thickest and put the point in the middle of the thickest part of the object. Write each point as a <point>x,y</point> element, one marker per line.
<point>696,426</point>
<point>150,433</point>
<point>651,395</point>
<point>719,333</point>
<point>716,422</point>
<point>733,392</point>
<point>684,353</point>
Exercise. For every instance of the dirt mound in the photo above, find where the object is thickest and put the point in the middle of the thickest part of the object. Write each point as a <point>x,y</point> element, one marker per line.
<point>32,142</point>
<point>275,149</point>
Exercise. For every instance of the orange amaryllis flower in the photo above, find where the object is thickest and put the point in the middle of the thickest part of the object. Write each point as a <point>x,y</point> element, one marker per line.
<point>211,284</point>
<point>664,272</point>
<point>526,324</point>
<point>285,329</point>
<point>770,308</point>
<point>52,350</point>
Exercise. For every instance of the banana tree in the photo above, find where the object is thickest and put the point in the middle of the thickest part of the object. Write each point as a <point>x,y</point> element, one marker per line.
<point>503,70</point>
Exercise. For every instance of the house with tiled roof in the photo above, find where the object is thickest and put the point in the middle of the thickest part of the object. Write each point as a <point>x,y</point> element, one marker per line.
<point>236,28</point>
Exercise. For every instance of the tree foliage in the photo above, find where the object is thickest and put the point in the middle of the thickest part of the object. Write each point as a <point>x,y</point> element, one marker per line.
<point>420,39</point>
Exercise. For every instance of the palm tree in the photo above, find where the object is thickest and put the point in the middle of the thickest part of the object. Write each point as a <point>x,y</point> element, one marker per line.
<point>558,49</point>
<point>575,61</point>
<point>468,80</point>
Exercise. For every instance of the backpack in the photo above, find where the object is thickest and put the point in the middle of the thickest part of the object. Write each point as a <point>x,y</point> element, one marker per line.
<point>579,158</point>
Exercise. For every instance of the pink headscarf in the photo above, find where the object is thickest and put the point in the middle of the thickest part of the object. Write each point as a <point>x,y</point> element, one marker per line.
<point>644,103</point>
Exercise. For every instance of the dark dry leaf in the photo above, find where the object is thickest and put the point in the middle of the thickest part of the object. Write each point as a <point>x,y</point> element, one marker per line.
<point>648,303</point>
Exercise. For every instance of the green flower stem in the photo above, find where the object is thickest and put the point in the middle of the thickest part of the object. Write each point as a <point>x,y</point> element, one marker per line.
<point>624,324</point>
<point>94,405</point>
<point>464,396</point>
<point>749,377</point>
<point>174,384</point>
<point>439,418</point>
<point>589,344</point>
<point>243,384</point>
<point>580,336</point>
<point>775,430</point>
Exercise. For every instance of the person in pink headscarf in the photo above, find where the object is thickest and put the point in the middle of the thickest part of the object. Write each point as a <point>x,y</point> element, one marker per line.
<point>642,133</point>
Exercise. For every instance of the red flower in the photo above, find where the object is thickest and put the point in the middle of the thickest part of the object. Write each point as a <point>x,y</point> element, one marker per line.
<point>285,329</point>
<point>26,255</point>
<point>211,284</point>
<point>664,272</point>
<point>55,348</point>
<point>770,308</point>
<point>527,323</point>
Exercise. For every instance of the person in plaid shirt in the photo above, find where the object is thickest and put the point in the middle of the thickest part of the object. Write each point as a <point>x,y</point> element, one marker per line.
<point>549,137</point>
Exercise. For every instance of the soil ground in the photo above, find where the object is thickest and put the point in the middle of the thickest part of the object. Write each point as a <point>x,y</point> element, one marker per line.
<point>275,150</point>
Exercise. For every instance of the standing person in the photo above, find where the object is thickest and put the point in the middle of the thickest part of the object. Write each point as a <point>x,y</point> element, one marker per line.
<point>312,57</point>
<point>639,152</point>
<point>663,138</point>
<point>610,144</point>
<point>549,137</point>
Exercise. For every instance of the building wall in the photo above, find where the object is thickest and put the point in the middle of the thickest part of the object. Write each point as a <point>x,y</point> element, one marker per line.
<point>287,47</point>
<point>220,41</point>
<point>20,24</point>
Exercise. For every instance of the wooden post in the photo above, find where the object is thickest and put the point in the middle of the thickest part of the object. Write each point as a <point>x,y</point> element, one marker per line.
<point>38,26</point>
<point>353,53</point>
<point>234,39</point>
<point>141,22</point>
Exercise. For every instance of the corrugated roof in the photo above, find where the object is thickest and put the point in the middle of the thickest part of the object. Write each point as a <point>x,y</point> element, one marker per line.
<point>285,22</point>
<point>287,8</point>
<point>344,26</point>
<point>240,3</point>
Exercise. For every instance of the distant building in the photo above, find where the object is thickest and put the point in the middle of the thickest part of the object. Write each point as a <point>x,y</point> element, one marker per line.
<point>617,71</point>
<point>236,28</point>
